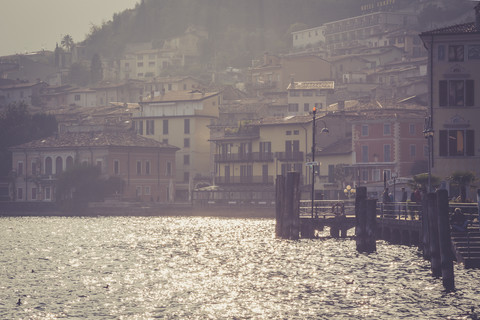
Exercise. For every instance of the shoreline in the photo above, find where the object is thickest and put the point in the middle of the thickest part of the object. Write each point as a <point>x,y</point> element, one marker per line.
<point>152,211</point>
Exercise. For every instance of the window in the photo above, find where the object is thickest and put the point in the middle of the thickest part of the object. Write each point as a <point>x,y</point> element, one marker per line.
<point>168,169</point>
<point>456,143</point>
<point>34,167</point>
<point>165,126</point>
<point>364,153</point>
<point>147,191</point>
<point>186,143</point>
<point>150,130</point>
<point>139,64</point>
<point>306,107</point>
<point>386,129</point>
<point>19,193</point>
<point>294,93</point>
<point>365,174</point>
<point>296,132</point>
<point>138,191</point>
<point>151,64</point>
<point>265,147</point>
<point>116,167</point>
<point>139,167</point>
<point>307,93</point>
<point>58,165</point>
<point>48,165</point>
<point>455,53</point>
<point>413,150</point>
<point>456,93</point>
<point>139,127</point>
<point>48,193</point>
<point>376,175</point>
<point>77,97</point>
<point>387,153</point>
<point>34,193</point>
<point>288,133</point>
<point>246,173</point>
<point>186,126</point>
<point>147,167</point>
<point>20,168</point>
<point>364,130</point>
<point>186,159</point>
<point>411,129</point>
<point>387,174</point>
<point>293,107</point>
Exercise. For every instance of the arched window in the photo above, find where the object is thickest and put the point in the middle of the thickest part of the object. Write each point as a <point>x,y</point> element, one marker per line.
<point>58,165</point>
<point>48,165</point>
<point>69,164</point>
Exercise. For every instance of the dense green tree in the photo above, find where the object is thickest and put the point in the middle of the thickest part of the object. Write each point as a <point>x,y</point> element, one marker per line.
<point>421,181</point>
<point>96,69</point>
<point>83,183</point>
<point>67,42</point>
<point>18,126</point>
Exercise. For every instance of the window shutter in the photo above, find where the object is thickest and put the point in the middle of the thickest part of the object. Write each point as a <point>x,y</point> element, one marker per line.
<point>470,89</point>
<point>443,93</point>
<point>443,143</point>
<point>470,145</point>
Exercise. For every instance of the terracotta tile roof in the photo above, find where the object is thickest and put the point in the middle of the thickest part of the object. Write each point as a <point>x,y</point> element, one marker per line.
<point>305,85</point>
<point>95,139</point>
<point>455,29</point>
<point>176,96</point>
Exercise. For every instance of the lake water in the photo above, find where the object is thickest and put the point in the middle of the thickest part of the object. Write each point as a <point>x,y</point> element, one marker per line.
<point>211,268</point>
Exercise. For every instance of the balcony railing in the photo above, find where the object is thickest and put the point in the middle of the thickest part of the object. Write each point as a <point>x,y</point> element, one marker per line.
<point>245,157</point>
<point>244,180</point>
<point>289,156</point>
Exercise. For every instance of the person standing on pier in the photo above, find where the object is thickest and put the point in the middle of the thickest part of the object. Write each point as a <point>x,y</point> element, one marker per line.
<point>458,221</point>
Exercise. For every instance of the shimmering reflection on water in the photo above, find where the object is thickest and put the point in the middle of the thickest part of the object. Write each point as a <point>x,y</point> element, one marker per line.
<point>210,268</point>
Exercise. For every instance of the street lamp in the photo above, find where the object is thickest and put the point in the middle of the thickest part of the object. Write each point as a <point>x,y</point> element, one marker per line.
<point>394,177</point>
<point>349,191</point>
<point>324,130</point>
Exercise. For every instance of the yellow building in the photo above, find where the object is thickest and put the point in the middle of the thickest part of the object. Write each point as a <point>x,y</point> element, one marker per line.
<point>251,156</point>
<point>181,119</point>
<point>454,77</point>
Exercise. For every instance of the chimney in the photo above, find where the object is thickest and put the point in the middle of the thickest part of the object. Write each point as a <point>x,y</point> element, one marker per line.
<point>477,16</point>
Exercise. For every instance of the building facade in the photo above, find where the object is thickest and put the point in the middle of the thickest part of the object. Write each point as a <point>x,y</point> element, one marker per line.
<point>181,118</point>
<point>454,78</point>
<point>147,167</point>
<point>305,95</point>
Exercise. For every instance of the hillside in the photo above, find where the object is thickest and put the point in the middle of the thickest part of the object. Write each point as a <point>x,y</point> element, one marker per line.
<point>242,30</point>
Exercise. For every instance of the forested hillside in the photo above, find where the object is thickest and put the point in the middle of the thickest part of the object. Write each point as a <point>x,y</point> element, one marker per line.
<point>239,30</point>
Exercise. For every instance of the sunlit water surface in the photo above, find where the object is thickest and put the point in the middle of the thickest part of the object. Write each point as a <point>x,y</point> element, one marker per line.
<point>211,268</point>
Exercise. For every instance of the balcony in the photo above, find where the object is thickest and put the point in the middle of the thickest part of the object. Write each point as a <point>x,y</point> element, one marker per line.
<point>289,156</point>
<point>245,157</point>
<point>266,180</point>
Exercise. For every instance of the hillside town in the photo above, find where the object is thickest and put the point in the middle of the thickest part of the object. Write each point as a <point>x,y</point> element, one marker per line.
<point>370,100</point>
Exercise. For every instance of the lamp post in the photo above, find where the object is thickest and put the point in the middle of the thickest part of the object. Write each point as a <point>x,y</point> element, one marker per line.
<point>394,177</point>
<point>349,191</point>
<point>324,130</point>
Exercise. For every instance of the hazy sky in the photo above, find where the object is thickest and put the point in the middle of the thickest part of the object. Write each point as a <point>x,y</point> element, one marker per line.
<point>32,25</point>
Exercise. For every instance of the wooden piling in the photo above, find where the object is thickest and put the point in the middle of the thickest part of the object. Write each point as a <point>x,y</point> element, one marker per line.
<point>436,264</point>
<point>371,226</point>
<point>279,205</point>
<point>360,218</point>
<point>293,178</point>
<point>445,241</point>
<point>424,216</point>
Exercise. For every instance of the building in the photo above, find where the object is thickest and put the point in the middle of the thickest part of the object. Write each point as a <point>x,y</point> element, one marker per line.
<point>160,85</point>
<point>305,95</point>
<point>346,35</point>
<point>454,77</point>
<point>21,92</point>
<point>146,166</point>
<point>181,118</point>
<point>274,74</point>
<point>388,142</point>
<point>309,38</point>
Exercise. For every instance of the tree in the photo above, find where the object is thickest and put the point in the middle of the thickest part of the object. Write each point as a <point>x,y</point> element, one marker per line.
<point>18,126</point>
<point>67,42</point>
<point>81,184</point>
<point>96,69</point>
<point>421,181</point>
<point>462,179</point>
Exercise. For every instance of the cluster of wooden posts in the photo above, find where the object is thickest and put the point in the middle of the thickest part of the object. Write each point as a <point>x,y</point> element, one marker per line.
<point>436,241</point>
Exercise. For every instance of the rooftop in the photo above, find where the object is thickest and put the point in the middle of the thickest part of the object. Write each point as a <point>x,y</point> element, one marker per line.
<point>455,29</point>
<point>176,96</point>
<point>305,85</point>
<point>95,139</point>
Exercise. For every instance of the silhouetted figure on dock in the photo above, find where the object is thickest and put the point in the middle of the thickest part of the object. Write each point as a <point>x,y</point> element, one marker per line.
<point>458,221</point>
